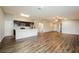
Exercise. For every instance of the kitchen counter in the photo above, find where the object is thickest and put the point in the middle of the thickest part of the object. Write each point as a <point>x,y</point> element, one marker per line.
<point>24,33</point>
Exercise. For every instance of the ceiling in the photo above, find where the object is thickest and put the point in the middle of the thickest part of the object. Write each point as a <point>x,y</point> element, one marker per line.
<point>44,13</point>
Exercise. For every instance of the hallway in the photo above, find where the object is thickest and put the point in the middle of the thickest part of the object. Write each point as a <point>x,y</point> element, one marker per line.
<point>50,42</point>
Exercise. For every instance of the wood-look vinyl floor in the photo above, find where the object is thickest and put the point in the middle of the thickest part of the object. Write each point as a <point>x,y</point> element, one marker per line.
<point>51,42</point>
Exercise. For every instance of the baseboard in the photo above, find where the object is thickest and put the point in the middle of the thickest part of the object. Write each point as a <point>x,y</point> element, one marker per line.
<point>47,32</point>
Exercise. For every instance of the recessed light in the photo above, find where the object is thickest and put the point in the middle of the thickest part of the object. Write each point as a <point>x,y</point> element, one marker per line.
<point>25,15</point>
<point>40,8</point>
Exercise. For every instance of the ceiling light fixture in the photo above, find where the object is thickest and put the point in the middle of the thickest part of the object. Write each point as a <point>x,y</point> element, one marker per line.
<point>25,15</point>
<point>56,20</point>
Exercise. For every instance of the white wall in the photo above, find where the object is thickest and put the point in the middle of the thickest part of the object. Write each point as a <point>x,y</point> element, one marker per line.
<point>8,25</point>
<point>70,27</point>
<point>49,26</point>
<point>46,26</point>
<point>1,24</point>
<point>55,27</point>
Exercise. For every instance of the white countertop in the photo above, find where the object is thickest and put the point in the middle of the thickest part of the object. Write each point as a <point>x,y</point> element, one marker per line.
<point>24,33</point>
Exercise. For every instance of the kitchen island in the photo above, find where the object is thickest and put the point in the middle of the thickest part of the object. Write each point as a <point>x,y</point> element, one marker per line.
<point>24,33</point>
